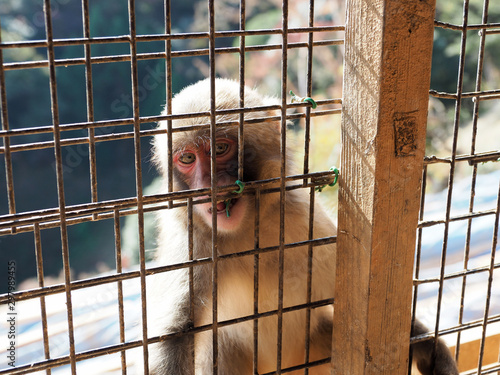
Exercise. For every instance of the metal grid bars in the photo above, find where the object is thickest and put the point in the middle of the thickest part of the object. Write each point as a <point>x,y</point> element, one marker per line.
<point>85,324</point>
<point>462,228</point>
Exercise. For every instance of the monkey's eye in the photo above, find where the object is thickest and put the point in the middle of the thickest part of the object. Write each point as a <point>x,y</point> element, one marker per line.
<point>221,148</point>
<point>187,158</point>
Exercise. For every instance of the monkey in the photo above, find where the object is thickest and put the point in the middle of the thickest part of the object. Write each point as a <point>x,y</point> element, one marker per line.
<point>180,302</point>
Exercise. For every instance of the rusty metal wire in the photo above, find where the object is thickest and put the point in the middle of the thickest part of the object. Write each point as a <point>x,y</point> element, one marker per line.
<point>64,215</point>
<point>39,262</point>
<point>119,270</point>
<point>60,184</point>
<point>113,123</point>
<point>6,140</point>
<point>134,127</point>
<point>281,258</point>
<point>453,161</point>
<point>158,55</point>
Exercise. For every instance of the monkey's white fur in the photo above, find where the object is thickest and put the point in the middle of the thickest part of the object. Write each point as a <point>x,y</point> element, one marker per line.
<point>168,294</point>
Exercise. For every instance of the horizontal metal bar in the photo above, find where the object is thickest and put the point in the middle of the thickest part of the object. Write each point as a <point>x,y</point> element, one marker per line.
<point>247,318</point>
<point>150,133</point>
<point>164,37</point>
<point>150,119</point>
<point>454,275</point>
<point>470,215</point>
<point>477,95</point>
<point>102,280</point>
<point>21,222</point>
<point>303,366</point>
<point>481,157</point>
<point>162,55</point>
<point>459,328</point>
<point>485,26</point>
<point>485,370</point>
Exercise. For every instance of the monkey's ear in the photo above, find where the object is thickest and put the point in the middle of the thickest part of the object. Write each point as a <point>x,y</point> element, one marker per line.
<point>275,125</point>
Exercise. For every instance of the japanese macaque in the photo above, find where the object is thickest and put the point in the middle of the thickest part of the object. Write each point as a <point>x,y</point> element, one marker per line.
<point>175,306</point>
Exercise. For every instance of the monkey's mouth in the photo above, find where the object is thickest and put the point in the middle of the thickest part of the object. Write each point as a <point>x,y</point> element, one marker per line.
<point>224,206</point>
<point>229,212</point>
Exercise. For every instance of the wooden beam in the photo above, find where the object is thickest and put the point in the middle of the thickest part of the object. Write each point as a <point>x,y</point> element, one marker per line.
<point>388,49</point>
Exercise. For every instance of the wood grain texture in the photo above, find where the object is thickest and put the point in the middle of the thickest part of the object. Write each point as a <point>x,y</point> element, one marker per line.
<point>388,50</point>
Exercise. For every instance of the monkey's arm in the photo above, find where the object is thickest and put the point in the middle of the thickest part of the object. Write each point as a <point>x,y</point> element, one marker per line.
<point>432,359</point>
<point>168,312</point>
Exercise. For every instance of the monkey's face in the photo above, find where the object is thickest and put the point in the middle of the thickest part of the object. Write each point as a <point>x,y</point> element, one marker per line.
<point>192,165</point>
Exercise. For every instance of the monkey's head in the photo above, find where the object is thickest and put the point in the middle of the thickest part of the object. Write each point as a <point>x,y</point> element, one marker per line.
<point>191,149</point>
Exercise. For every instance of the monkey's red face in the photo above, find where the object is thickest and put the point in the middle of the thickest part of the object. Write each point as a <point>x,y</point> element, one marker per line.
<point>193,164</point>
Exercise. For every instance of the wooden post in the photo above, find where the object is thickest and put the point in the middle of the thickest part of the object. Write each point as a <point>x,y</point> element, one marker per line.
<point>388,49</point>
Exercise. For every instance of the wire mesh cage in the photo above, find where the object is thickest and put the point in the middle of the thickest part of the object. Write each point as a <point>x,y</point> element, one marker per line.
<point>82,85</point>
<point>458,221</point>
<point>80,321</point>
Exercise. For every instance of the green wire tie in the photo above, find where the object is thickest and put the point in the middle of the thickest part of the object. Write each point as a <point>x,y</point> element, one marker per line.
<point>227,203</point>
<point>298,99</point>
<point>336,171</point>
<point>241,186</point>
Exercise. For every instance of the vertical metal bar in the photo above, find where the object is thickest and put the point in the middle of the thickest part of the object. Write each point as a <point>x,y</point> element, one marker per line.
<point>41,284</point>
<point>60,182</point>
<point>475,117</point>
<point>168,105</point>
<point>90,103</point>
<point>466,253</point>
<point>121,319</point>
<point>418,256</point>
<point>307,140</point>
<point>191,270</point>
<point>6,140</point>
<point>281,262</point>
<point>256,269</point>
<point>490,282</point>
<point>241,138</point>
<point>456,124</point>
<point>309,278</point>
<point>138,177</point>
<point>213,178</point>
<point>307,135</point>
